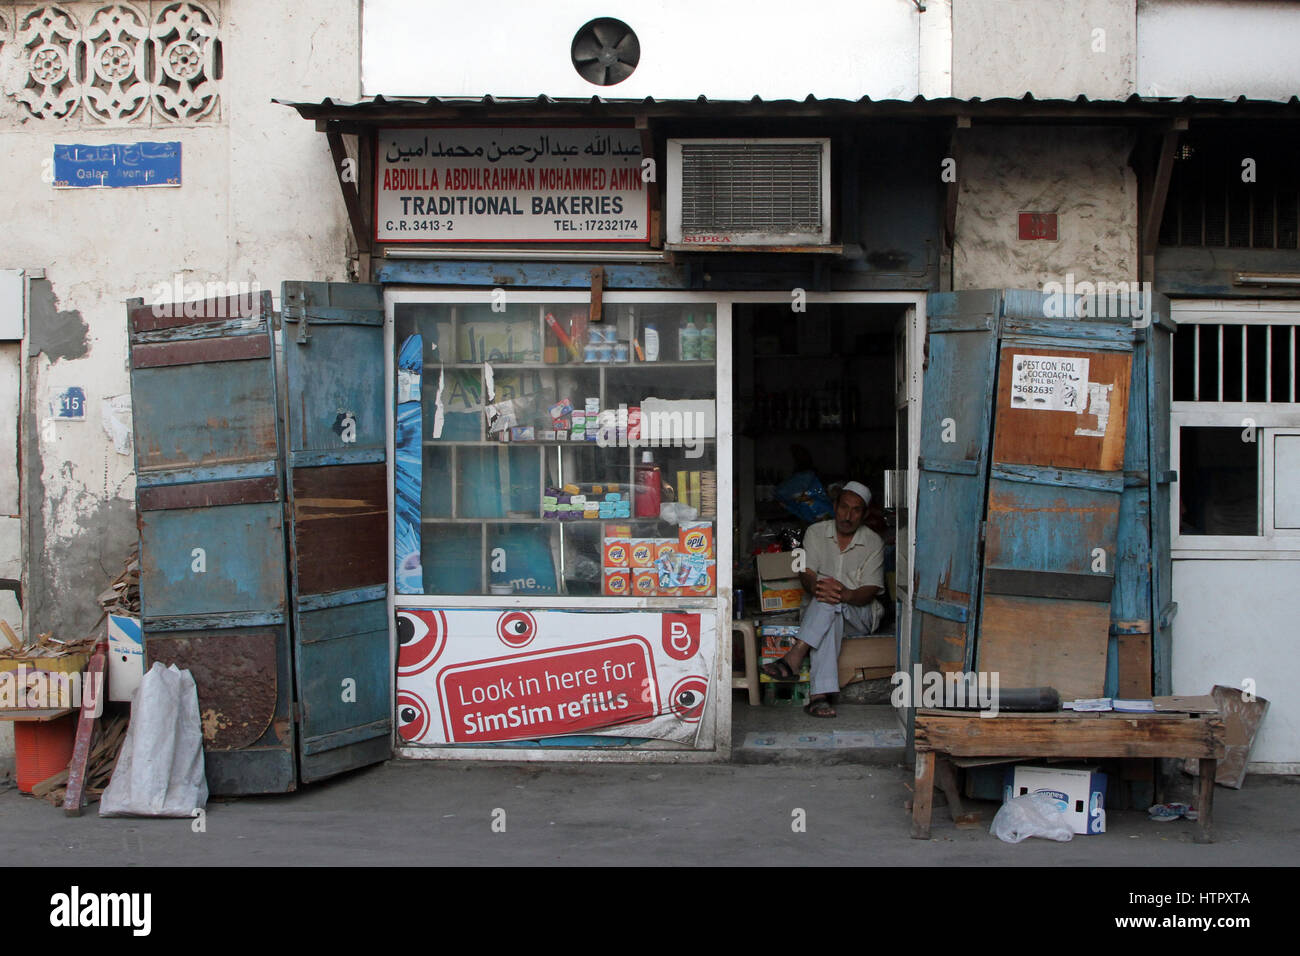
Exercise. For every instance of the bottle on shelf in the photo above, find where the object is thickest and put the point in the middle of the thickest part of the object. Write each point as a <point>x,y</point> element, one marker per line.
<point>708,341</point>
<point>651,334</point>
<point>689,341</point>
<point>647,487</point>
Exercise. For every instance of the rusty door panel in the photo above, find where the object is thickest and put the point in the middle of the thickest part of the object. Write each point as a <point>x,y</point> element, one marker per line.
<point>338,497</point>
<point>1037,527</point>
<point>244,682</point>
<point>210,509</point>
<point>236,675</point>
<point>206,494</point>
<point>193,415</point>
<point>225,349</point>
<point>240,569</point>
<point>1054,438</point>
<point>340,519</point>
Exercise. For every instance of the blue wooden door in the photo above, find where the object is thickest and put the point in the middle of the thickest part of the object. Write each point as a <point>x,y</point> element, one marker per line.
<point>209,500</point>
<point>1056,481</point>
<point>338,508</point>
<point>961,353</point>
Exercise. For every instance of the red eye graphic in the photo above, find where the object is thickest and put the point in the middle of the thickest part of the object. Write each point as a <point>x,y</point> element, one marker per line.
<point>421,636</point>
<point>412,716</point>
<point>517,628</point>
<point>687,698</point>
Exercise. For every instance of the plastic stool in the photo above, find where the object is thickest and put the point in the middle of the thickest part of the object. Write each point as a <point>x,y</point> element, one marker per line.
<point>750,681</point>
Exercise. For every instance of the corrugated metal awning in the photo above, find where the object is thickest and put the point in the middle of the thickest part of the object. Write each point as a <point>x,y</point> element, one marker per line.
<point>396,109</point>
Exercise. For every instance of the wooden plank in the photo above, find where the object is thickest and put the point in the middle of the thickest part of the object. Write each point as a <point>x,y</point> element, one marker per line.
<point>1025,736</point>
<point>340,527</point>
<point>1205,802</point>
<point>1202,704</point>
<point>98,678</point>
<point>1039,642</point>
<point>233,348</point>
<point>1052,438</point>
<point>208,493</point>
<point>351,197</point>
<point>1134,665</point>
<point>923,796</point>
<point>10,636</point>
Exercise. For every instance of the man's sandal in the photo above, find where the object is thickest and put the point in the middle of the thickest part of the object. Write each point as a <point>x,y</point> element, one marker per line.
<point>779,670</point>
<point>821,707</point>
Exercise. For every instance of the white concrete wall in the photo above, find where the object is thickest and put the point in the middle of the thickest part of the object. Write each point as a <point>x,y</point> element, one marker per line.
<point>769,48</point>
<point>1079,173</point>
<point>1236,620</point>
<point>1218,49</point>
<point>1049,49</point>
<point>259,204</point>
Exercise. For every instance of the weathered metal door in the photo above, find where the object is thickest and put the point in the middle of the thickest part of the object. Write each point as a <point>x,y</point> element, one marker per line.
<point>338,506</point>
<point>209,500</point>
<point>961,347</point>
<point>1056,478</point>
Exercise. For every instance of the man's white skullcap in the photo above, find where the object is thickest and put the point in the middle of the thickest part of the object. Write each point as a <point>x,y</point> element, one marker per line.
<point>859,489</point>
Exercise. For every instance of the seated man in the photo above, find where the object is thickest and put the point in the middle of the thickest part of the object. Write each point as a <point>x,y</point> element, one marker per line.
<point>845,573</point>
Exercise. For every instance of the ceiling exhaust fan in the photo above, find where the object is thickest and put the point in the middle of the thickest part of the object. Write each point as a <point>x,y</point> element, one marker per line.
<point>605,51</point>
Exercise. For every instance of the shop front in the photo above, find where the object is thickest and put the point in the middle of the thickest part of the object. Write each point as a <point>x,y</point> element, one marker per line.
<point>566,516</point>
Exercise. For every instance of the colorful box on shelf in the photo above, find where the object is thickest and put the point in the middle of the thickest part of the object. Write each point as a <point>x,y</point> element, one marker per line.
<point>618,582</point>
<point>695,538</point>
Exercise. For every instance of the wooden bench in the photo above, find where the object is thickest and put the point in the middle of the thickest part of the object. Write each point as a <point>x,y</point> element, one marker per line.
<point>950,733</point>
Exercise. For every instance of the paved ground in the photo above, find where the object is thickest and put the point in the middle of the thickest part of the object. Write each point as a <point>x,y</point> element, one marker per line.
<point>418,812</point>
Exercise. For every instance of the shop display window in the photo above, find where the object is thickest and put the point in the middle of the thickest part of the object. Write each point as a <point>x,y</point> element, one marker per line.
<point>539,452</point>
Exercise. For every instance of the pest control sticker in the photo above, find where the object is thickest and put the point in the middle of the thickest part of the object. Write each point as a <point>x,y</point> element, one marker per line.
<point>1053,383</point>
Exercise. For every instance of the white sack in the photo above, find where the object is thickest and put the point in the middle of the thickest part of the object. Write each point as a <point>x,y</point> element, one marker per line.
<point>160,770</point>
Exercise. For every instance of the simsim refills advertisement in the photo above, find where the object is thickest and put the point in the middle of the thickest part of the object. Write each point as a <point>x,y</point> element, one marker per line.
<point>491,676</point>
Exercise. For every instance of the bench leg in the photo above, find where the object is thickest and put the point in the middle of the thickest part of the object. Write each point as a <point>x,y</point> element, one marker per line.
<point>923,797</point>
<point>1205,804</point>
<point>946,777</point>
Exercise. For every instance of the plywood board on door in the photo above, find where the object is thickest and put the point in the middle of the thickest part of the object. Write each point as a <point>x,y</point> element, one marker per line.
<point>1092,438</point>
<point>1045,642</point>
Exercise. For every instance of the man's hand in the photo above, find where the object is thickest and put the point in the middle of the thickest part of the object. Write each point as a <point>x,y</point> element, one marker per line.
<point>829,591</point>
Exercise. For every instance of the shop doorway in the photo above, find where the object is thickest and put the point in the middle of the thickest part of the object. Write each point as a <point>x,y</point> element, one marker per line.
<point>818,401</point>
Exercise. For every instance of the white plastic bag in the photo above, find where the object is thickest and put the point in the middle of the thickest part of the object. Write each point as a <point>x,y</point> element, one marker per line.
<point>160,770</point>
<point>1032,815</point>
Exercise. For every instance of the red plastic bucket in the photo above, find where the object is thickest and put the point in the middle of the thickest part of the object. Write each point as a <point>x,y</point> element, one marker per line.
<point>42,748</point>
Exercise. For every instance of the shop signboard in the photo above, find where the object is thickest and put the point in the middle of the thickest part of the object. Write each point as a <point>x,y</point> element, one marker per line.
<point>488,676</point>
<point>511,184</point>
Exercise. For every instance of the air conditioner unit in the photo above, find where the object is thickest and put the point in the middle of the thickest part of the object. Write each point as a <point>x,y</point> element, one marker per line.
<point>727,193</point>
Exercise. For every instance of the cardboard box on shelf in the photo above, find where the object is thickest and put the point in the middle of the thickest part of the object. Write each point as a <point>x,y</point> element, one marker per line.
<point>1079,794</point>
<point>645,582</point>
<point>643,553</point>
<point>618,582</point>
<point>696,537</point>
<point>778,583</point>
<point>778,639</point>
